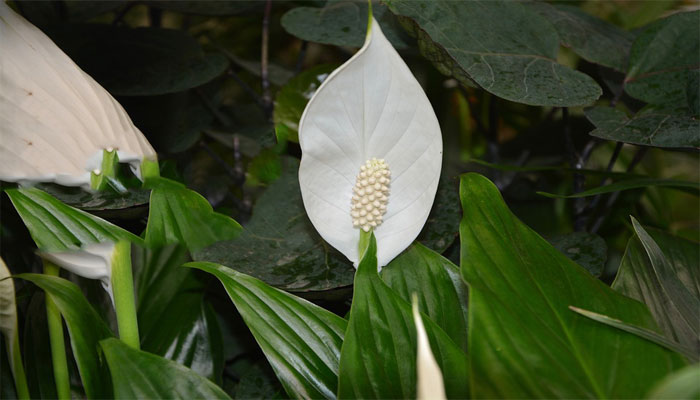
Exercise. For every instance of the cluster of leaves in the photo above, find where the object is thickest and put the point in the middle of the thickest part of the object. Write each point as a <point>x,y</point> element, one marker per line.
<point>507,313</point>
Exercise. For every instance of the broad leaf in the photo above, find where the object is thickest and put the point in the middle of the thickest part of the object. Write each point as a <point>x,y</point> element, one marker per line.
<point>279,244</point>
<point>585,249</point>
<point>300,340</point>
<point>665,276</point>
<point>97,201</point>
<point>653,127</point>
<point>505,47</point>
<point>661,58</point>
<point>682,384</point>
<point>590,37</point>
<point>689,186</point>
<point>182,216</point>
<point>378,359</point>
<point>150,61</point>
<point>140,375</point>
<point>442,226</point>
<point>293,96</point>
<point>341,23</point>
<point>86,329</point>
<point>55,226</point>
<point>523,339</point>
<point>442,295</point>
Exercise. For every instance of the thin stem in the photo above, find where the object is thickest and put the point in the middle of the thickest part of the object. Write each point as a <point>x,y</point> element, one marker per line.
<point>266,97</point>
<point>576,162</point>
<point>18,368</point>
<point>611,164</point>
<point>256,97</point>
<point>301,57</point>
<point>123,290</point>
<point>58,347</point>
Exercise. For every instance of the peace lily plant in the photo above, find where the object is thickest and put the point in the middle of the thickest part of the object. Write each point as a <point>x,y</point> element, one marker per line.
<point>371,153</point>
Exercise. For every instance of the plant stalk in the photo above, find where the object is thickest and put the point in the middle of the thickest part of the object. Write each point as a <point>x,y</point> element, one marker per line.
<point>123,290</point>
<point>58,347</point>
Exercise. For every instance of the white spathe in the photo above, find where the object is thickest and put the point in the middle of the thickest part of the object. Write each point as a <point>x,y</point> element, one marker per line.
<point>370,107</point>
<point>428,375</point>
<point>92,261</point>
<point>8,311</point>
<point>55,120</point>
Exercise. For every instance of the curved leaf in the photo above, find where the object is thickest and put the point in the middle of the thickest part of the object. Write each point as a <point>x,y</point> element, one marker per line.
<point>140,375</point>
<point>370,107</point>
<point>86,329</point>
<point>523,339</point>
<point>503,46</point>
<point>378,358</point>
<point>300,340</point>
<point>585,249</point>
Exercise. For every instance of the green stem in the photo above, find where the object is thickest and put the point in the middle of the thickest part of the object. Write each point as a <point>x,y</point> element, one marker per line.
<point>364,243</point>
<point>58,349</point>
<point>123,290</point>
<point>18,368</point>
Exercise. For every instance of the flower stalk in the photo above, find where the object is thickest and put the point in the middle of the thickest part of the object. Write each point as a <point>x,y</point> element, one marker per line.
<point>123,290</point>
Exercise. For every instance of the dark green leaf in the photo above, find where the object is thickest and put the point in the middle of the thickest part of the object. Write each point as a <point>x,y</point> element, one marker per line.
<point>37,350</point>
<point>590,37</point>
<point>661,57</point>
<point>279,245</point>
<point>378,359</point>
<point>150,61</point>
<point>693,92</point>
<point>442,294</point>
<point>442,225</point>
<point>293,96</point>
<point>140,375</point>
<point>182,216</point>
<point>523,339</point>
<point>691,187</point>
<point>682,384</point>
<point>256,384</point>
<point>505,47</point>
<point>658,128</point>
<point>667,281</point>
<point>55,226</point>
<point>97,201</point>
<point>300,340</point>
<point>585,249</point>
<point>86,329</point>
<point>341,23</point>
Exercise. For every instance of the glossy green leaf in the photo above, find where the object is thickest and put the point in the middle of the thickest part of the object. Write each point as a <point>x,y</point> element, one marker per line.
<point>180,215</point>
<point>37,350</point>
<point>150,61</point>
<point>585,249</point>
<point>293,96</point>
<point>659,128</point>
<point>442,226</point>
<point>86,329</point>
<point>96,201</point>
<point>590,37</point>
<point>300,340</point>
<point>661,57</point>
<point>664,275</point>
<point>523,339</point>
<point>505,47</point>
<point>378,359</point>
<point>279,245</point>
<point>691,187</point>
<point>341,23</point>
<point>442,294</point>
<point>140,375</point>
<point>55,226</point>
<point>682,384</point>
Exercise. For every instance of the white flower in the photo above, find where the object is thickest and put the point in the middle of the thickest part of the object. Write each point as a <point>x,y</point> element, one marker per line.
<point>370,110</point>
<point>55,119</point>
<point>428,375</point>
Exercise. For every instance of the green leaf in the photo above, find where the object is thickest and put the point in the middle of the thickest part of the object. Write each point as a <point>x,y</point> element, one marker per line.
<point>523,339</point>
<point>300,340</point>
<point>585,249</point>
<point>682,384</point>
<point>280,246</point>
<point>667,281</point>
<point>207,7</point>
<point>442,226</point>
<point>442,294</point>
<point>150,61</point>
<point>293,96</point>
<point>693,92</point>
<point>688,186</point>
<point>341,23</point>
<point>378,359</point>
<point>661,57</point>
<point>37,350</point>
<point>55,226</point>
<point>182,216</point>
<point>140,375</point>
<point>505,47</point>
<point>86,329</point>
<point>659,128</point>
<point>96,201</point>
